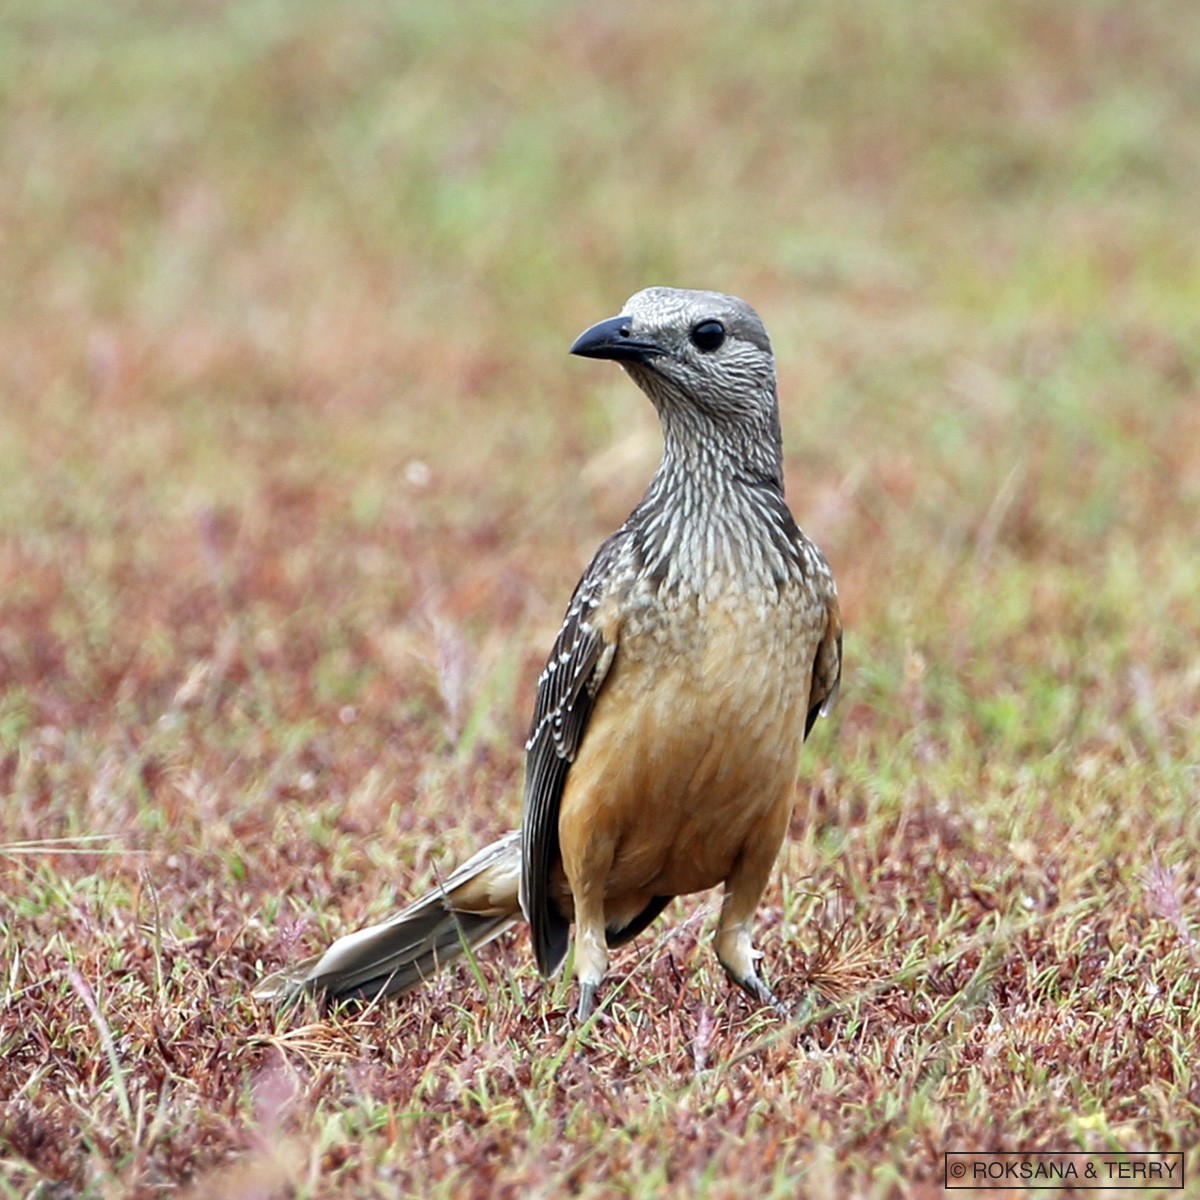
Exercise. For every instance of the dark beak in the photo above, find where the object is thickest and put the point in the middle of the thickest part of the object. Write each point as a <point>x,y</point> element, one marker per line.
<point>614,339</point>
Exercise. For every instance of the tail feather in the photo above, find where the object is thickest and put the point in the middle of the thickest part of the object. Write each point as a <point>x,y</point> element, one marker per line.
<point>477,903</point>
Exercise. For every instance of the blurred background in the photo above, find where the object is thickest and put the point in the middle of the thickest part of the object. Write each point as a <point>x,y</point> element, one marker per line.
<point>296,474</point>
<point>287,290</point>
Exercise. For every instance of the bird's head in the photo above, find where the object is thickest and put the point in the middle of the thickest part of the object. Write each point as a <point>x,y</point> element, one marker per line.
<point>704,360</point>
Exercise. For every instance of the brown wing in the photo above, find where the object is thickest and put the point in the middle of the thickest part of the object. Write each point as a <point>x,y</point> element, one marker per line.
<point>566,694</point>
<point>827,667</point>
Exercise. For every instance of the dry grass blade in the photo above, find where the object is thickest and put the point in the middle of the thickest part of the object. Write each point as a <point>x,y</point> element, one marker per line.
<point>96,843</point>
<point>318,1042</point>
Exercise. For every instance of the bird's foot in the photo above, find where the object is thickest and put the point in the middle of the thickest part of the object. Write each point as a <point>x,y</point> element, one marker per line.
<point>754,987</point>
<point>587,1001</point>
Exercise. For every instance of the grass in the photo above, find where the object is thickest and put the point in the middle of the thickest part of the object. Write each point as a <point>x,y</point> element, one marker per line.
<point>295,478</point>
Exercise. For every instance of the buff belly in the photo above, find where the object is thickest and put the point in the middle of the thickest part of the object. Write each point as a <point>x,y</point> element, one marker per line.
<point>690,756</point>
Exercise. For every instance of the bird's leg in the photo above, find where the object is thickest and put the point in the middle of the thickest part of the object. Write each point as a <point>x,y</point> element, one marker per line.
<point>591,949</point>
<point>587,856</point>
<point>743,891</point>
<point>737,955</point>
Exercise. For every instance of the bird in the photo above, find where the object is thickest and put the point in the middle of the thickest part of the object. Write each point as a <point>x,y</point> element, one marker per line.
<point>697,650</point>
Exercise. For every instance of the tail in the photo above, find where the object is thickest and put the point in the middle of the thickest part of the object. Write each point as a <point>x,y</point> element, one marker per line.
<point>477,903</point>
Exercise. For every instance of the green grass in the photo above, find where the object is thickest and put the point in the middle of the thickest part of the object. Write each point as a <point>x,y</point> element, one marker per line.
<point>296,477</point>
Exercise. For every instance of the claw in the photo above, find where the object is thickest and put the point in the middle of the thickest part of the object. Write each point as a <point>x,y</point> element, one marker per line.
<point>754,987</point>
<point>587,1001</point>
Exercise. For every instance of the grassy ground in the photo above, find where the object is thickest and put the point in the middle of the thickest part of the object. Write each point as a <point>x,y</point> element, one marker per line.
<point>296,477</point>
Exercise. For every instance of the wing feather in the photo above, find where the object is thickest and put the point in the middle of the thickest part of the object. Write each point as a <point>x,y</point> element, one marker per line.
<point>827,668</point>
<point>566,693</point>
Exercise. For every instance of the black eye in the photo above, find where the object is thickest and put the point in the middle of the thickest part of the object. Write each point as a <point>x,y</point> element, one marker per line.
<point>708,336</point>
